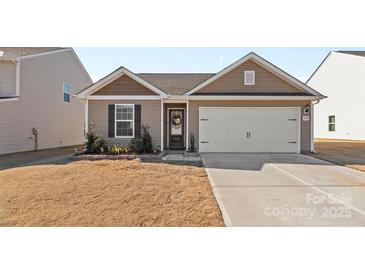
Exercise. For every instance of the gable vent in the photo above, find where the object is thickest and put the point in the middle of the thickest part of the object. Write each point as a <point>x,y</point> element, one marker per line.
<point>249,77</point>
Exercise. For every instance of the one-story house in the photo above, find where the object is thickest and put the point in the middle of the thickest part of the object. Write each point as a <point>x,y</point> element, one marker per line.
<point>249,106</point>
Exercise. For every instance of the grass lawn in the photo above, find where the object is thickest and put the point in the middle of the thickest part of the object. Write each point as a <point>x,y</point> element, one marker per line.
<point>344,152</point>
<point>107,193</point>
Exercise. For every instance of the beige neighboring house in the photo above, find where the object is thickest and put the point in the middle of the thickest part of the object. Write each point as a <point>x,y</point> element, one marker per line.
<point>38,109</point>
<point>250,106</point>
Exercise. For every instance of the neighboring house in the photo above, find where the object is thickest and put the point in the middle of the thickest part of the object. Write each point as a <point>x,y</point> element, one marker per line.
<point>250,106</point>
<point>341,76</point>
<point>37,106</point>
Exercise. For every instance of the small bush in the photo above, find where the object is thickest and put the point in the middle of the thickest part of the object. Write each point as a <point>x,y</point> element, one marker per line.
<point>118,149</point>
<point>94,143</point>
<point>146,139</point>
<point>136,145</point>
<point>90,139</point>
<point>142,144</point>
<point>192,142</point>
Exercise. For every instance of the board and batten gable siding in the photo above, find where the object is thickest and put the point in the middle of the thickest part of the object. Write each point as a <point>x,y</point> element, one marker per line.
<point>7,78</point>
<point>41,105</point>
<point>150,115</point>
<point>305,130</point>
<point>124,85</point>
<point>265,81</point>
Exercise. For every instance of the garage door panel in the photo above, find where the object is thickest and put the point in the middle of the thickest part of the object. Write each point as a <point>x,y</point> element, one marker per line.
<point>248,129</point>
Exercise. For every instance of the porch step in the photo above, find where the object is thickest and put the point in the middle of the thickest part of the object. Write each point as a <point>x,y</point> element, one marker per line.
<point>169,151</point>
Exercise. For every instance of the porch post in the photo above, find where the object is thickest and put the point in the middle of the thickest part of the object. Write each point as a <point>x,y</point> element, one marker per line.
<point>187,126</point>
<point>86,117</point>
<point>162,125</point>
<point>312,127</point>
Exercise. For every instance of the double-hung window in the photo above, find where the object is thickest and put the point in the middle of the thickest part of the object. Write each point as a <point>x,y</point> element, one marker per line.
<point>124,121</point>
<point>331,123</point>
<point>66,92</point>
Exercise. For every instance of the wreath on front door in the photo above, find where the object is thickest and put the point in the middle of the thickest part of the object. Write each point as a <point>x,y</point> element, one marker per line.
<point>176,120</point>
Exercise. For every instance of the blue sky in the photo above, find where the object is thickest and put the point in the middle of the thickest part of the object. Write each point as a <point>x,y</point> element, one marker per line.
<point>300,62</point>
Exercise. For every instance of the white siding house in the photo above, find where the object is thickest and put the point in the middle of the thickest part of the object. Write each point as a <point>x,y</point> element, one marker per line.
<point>36,94</point>
<point>341,76</point>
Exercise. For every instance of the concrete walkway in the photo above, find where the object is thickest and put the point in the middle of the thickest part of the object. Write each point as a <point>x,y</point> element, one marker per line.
<point>285,190</point>
<point>181,157</point>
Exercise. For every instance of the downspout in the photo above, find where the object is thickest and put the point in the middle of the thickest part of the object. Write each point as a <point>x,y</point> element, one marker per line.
<point>162,125</point>
<point>17,78</point>
<point>312,125</point>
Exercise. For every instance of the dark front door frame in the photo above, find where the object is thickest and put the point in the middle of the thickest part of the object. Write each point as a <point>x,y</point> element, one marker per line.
<point>181,144</point>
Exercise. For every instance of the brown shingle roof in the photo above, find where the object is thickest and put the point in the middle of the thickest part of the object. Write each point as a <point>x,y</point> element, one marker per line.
<point>175,83</point>
<point>12,53</point>
<point>353,52</point>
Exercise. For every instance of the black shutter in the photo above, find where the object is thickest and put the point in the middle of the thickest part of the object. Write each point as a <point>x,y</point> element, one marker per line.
<point>137,120</point>
<point>111,121</point>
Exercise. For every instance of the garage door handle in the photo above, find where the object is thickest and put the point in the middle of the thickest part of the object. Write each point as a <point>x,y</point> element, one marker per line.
<point>204,119</point>
<point>292,119</point>
<point>204,142</point>
<point>292,142</point>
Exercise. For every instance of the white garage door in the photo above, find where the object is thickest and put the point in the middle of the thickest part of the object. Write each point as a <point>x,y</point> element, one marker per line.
<point>245,129</point>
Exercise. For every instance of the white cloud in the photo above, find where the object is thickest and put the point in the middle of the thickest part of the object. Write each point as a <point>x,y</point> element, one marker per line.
<point>220,58</point>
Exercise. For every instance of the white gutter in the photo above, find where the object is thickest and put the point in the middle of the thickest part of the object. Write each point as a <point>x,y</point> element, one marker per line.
<point>183,99</point>
<point>249,98</point>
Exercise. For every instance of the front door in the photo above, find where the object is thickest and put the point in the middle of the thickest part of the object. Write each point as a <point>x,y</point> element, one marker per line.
<point>176,128</point>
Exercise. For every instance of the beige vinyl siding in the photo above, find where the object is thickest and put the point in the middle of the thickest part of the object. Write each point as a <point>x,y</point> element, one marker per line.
<point>305,130</point>
<point>41,105</point>
<point>124,85</point>
<point>150,115</point>
<point>7,78</point>
<point>265,81</point>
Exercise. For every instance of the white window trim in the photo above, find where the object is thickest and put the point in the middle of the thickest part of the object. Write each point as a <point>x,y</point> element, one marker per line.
<point>63,92</point>
<point>254,77</point>
<point>115,121</point>
<point>333,123</point>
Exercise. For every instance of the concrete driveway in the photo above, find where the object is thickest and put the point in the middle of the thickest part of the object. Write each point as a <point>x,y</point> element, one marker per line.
<point>285,190</point>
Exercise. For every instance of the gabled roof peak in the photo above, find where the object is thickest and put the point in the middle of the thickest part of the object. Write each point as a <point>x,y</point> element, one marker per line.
<point>265,64</point>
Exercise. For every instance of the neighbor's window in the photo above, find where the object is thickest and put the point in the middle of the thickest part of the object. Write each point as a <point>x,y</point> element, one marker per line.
<point>249,78</point>
<point>331,123</point>
<point>124,120</point>
<point>66,92</point>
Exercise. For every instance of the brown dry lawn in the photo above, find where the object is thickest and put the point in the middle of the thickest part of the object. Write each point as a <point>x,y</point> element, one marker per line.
<point>107,193</point>
<point>344,152</point>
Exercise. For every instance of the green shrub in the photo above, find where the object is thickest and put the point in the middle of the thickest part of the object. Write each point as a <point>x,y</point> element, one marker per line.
<point>142,144</point>
<point>118,149</point>
<point>192,142</point>
<point>90,139</point>
<point>146,139</point>
<point>94,143</point>
<point>136,145</point>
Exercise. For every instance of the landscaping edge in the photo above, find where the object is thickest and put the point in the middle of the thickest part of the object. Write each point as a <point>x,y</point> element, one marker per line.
<point>91,157</point>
